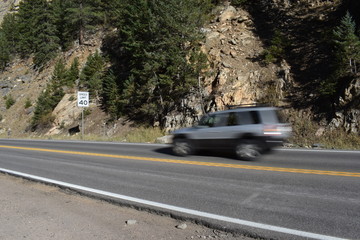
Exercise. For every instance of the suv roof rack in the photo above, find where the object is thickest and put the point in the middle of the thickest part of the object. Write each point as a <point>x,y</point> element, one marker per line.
<point>246,105</point>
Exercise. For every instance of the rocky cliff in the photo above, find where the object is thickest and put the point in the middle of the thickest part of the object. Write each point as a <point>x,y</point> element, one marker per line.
<point>235,75</point>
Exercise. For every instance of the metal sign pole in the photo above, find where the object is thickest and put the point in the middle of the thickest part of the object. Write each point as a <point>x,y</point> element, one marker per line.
<point>83,101</point>
<point>82,124</point>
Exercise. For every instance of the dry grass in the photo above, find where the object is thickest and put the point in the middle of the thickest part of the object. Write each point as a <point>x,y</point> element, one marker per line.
<point>304,135</point>
<point>133,135</point>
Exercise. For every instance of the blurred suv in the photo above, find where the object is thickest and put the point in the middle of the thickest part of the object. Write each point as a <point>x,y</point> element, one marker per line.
<point>246,131</point>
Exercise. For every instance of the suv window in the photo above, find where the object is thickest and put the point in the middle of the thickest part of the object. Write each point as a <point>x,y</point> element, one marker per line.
<point>269,116</point>
<point>247,117</point>
<point>214,120</point>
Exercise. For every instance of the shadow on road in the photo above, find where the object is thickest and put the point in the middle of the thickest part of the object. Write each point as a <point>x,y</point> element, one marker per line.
<point>203,153</point>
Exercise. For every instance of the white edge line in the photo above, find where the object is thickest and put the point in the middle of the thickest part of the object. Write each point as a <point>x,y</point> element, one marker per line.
<point>175,208</point>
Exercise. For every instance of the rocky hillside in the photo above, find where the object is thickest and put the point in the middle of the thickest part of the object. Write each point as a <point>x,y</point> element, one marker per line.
<point>235,40</point>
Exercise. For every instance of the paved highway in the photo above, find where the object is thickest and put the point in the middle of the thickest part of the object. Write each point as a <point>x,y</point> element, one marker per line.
<point>291,194</point>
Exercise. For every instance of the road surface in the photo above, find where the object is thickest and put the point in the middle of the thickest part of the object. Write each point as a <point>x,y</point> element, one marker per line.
<point>291,194</point>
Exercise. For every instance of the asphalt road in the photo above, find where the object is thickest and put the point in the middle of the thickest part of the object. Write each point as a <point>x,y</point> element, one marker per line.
<point>285,195</point>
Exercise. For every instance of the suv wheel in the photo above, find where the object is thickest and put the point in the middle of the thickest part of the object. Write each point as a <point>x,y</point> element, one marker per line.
<point>182,147</point>
<point>248,150</point>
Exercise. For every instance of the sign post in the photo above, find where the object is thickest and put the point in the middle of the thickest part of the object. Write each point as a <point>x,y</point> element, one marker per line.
<point>82,101</point>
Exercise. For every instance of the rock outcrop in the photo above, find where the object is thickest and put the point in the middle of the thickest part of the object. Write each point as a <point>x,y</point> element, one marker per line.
<point>235,75</point>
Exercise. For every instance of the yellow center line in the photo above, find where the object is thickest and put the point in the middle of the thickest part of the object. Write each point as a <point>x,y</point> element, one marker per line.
<point>211,164</point>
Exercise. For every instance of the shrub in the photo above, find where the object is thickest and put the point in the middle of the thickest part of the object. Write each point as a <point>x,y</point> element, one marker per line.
<point>27,103</point>
<point>9,101</point>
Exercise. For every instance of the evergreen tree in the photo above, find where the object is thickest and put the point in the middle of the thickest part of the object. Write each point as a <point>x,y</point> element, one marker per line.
<point>347,45</point>
<point>48,100</point>
<point>110,10</point>
<point>9,28</point>
<point>158,38</point>
<point>72,74</point>
<point>110,95</point>
<point>82,16</point>
<point>347,57</point>
<point>92,74</point>
<point>4,51</point>
<point>63,26</point>
<point>46,41</point>
<point>25,25</point>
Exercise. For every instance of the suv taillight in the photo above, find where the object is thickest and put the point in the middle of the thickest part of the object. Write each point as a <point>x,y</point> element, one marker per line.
<point>276,129</point>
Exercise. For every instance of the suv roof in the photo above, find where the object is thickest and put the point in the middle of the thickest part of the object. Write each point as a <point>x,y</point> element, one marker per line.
<point>235,108</point>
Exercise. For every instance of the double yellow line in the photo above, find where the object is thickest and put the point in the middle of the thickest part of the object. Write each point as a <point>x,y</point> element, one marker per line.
<point>211,164</point>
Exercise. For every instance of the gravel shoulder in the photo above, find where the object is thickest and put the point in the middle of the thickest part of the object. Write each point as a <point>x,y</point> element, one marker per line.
<point>31,210</point>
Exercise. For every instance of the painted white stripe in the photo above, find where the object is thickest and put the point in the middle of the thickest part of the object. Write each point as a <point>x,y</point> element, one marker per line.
<point>319,150</point>
<point>175,208</point>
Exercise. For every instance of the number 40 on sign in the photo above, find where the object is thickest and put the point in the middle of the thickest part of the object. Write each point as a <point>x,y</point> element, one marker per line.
<point>83,99</point>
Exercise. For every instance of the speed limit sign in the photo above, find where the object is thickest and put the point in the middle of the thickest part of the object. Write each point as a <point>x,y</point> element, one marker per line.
<point>83,99</point>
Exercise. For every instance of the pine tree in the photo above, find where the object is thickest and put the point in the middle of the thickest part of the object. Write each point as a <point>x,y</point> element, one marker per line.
<point>110,95</point>
<point>26,25</point>
<point>110,10</point>
<point>347,57</point>
<point>82,16</point>
<point>59,9</point>
<point>4,51</point>
<point>72,73</point>
<point>157,38</point>
<point>46,41</point>
<point>48,100</point>
<point>9,28</point>
<point>347,45</point>
<point>92,74</point>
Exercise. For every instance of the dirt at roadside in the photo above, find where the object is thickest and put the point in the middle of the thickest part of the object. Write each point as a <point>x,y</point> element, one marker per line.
<point>30,210</point>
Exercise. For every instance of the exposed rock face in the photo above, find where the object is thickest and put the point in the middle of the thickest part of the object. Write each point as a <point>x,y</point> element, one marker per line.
<point>66,112</point>
<point>349,118</point>
<point>235,75</point>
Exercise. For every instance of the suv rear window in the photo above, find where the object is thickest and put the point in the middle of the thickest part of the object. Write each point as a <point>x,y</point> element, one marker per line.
<point>270,116</point>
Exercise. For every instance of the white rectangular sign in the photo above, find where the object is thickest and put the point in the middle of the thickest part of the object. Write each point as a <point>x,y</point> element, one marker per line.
<point>83,99</point>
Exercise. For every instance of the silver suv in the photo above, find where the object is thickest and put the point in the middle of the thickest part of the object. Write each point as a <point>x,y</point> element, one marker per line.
<point>247,131</point>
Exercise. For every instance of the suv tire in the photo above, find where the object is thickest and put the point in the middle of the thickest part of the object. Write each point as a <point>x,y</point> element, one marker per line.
<point>182,147</point>
<point>248,150</point>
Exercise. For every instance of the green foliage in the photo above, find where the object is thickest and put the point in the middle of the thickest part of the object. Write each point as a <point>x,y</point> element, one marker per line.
<point>111,96</point>
<point>46,40</point>
<point>347,45</point>
<point>346,57</point>
<point>93,73</point>
<point>48,99</point>
<point>63,25</point>
<point>25,26</point>
<point>160,42</point>
<point>27,103</point>
<point>82,16</point>
<point>276,51</point>
<point>9,101</point>
<point>9,29</point>
<point>72,74</point>
<point>4,52</point>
